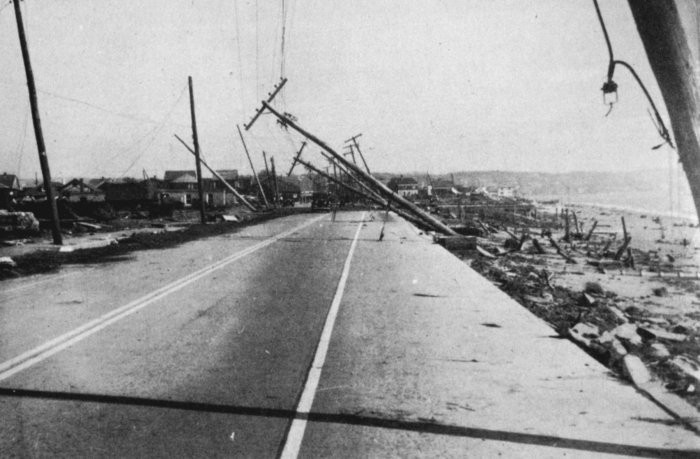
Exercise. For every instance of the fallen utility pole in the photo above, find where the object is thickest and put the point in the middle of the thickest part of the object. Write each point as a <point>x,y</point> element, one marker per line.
<point>38,133</point>
<point>195,142</point>
<point>381,188</point>
<point>303,144</point>
<point>221,179</point>
<point>351,176</point>
<point>250,161</point>
<point>373,197</point>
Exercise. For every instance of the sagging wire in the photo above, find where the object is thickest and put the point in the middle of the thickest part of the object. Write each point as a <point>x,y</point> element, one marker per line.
<point>610,87</point>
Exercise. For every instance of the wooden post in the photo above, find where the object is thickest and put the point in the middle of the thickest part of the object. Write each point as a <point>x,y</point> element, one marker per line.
<point>624,229</point>
<point>250,161</point>
<point>379,186</point>
<point>38,133</point>
<point>666,44</point>
<point>221,179</point>
<point>195,142</point>
<point>576,227</point>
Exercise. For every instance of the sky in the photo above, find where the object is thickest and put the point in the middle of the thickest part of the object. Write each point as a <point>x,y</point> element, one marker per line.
<point>432,85</point>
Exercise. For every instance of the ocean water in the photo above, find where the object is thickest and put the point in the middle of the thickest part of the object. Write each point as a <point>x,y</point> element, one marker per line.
<point>678,204</point>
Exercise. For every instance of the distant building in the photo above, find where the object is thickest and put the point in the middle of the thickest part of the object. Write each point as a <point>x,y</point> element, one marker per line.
<point>182,186</point>
<point>506,192</point>
<point>9,190</point>
<point>404,186</point>
<point>78,191</point>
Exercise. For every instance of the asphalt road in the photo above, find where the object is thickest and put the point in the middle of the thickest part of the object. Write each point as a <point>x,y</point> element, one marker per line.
<point>207,366</point>
<point>303,337</point>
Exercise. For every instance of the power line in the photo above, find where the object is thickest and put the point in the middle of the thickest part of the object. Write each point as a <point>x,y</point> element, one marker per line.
<point>139,118</point>
<point>240,60</point>
<point>610,87</point>
<point>155,133</point>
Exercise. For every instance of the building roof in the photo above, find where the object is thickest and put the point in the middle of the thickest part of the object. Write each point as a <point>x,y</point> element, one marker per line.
<point>9,181</point>
<point>228,174</point>
<point>80,185</point>
<point>180,176</point>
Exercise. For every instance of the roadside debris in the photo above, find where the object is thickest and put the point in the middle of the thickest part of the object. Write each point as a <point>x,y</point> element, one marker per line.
<point>566,267</point>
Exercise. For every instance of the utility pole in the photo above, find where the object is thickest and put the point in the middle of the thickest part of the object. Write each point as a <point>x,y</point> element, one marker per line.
<point>195,142</point>
<point>666,44</point>
<point>276,199</point>
<point>250,161</point>
<point>376,184</point>
<point>267,174</point>
<point>221,179</point>
<point>357,147</point>
<point>36,121</point>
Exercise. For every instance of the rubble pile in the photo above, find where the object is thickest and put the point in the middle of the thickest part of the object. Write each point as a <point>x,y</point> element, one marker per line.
<point>634,309</point>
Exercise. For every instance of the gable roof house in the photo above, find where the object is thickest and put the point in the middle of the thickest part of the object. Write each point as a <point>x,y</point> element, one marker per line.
<point>77,190</point>
<point>9,190</point>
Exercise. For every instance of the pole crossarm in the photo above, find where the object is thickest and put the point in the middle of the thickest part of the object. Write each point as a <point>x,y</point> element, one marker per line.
<point>357,147</point>
<point>278,88</point>
<point>379,186</point>
<point>221,179</point>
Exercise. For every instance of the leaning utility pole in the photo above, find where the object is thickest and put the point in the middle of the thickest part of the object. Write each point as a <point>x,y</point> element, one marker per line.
<point>36,121</point>
<point>666,43</point>
<point>250,161</point>
<point>218,176</point>
<point>195,142</point>
<point>379,186</point>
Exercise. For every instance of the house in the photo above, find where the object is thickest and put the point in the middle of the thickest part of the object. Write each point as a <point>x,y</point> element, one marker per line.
<point>130,193</point>
<point>506,192</point>
<point>182,186</point>
<point>77,190</point>
<point>443,188</point>
<point>404,186</point>
<point>9,190</point>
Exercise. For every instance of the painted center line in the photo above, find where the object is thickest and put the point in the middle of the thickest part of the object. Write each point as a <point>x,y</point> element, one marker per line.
<point>298,427</point>
<point>49,348</point>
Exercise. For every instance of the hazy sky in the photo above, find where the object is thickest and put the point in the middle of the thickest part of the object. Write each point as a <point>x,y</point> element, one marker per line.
<point>433,85</point>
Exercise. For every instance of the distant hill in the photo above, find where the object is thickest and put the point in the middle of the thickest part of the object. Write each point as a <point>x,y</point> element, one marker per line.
<point>542,183</point>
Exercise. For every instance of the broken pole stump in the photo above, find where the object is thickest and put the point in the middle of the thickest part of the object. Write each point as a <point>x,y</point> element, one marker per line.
<point>538,246</point>
<point>561,252</point>
<point>590,232</point>
<point>622,249</point>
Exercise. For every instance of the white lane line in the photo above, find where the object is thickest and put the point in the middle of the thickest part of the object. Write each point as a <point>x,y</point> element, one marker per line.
<point>49,348</point>
<point>296,430</point>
